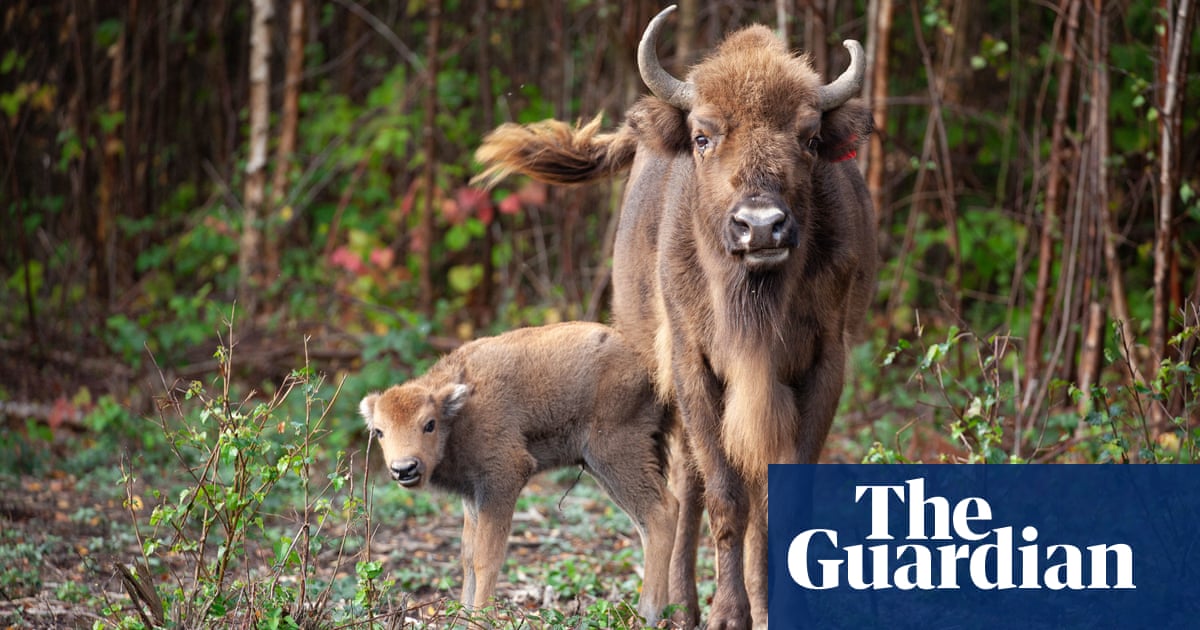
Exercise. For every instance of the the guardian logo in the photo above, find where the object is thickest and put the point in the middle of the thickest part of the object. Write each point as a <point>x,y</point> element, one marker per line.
<point>948,546</point>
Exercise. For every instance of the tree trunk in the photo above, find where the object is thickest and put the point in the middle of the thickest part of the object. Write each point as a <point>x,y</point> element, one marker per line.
<point>283,212</point>
<point>1117,299</point>
<point>1175,35</point>
<point>878,40</point>
<point>108,188</point>
<point>487,288</point>
<point>782,19</point>
<point>685,38</point>
<point>253,197</point>
<point>1092,341</point>
<point>424,232</point>
<point>1054,182</point>
<point>816,36</point>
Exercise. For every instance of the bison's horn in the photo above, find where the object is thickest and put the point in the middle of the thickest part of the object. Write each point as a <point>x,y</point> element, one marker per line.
<point>681,94</point>
<point>846,86</point>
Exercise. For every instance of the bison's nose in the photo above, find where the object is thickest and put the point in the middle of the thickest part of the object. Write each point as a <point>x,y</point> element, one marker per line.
<point>761,231</point>
<point>406,470</point>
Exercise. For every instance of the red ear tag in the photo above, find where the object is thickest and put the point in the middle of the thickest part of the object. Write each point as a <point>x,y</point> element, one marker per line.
<point>852,153</point>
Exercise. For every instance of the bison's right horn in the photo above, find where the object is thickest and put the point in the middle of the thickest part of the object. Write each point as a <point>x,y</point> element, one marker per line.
<point>846,86</point>
<point>681,94</point>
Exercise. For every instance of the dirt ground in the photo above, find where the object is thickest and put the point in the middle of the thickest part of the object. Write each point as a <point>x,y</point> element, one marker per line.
<point>62,538</point>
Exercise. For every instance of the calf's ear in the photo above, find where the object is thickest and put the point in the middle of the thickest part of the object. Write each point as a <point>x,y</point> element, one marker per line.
<point>367,409</point>
<point>451,398</point>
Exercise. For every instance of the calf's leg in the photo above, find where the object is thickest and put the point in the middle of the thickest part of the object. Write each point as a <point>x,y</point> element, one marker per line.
<point>470,526</point>
<point>491,539</point>
<point>628,469</point>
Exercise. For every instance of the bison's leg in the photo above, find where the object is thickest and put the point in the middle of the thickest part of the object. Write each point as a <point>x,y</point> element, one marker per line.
<point>491,539</point>
<point>689,491</point>
<point>725,494</point>
<point>757,556</point>
<point>470,527</point>
<point>819,406</point>
<point>629,470</point>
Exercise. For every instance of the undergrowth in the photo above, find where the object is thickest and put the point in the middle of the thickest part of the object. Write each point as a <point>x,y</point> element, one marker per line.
<point>962,399</point>
<point>268,527</point>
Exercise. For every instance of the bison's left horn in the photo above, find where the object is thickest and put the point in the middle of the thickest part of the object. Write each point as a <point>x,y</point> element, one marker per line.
<point>846,86</point>
<point>681,94</point>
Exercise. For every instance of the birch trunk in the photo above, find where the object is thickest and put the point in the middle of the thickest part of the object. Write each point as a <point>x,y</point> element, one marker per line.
<point>253,197</point>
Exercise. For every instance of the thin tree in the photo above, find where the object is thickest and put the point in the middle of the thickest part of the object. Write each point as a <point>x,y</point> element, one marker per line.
<point>1175,35</point>
<point>880,33</point>
<point>424,231</point>
<point>1053,204</point>
<point>253,197</point>
<point>815,34</point>
<point>108,193</point>
<point>281,207</point>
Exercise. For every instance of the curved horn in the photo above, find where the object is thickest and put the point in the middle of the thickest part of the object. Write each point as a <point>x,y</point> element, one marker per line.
<point>681,94</point>
<point>848,84</point>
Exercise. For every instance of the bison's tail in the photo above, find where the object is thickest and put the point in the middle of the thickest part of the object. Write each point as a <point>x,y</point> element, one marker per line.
<point>555,152</point>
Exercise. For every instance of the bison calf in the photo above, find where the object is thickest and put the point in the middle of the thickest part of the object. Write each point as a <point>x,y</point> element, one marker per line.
<point>494,412</point>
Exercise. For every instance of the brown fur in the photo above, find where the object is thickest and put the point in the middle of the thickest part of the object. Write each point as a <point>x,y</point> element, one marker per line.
<point>754,356</point>
<point>506,407</point>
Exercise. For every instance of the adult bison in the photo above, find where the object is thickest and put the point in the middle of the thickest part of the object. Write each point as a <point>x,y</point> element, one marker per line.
<point>744,262</point>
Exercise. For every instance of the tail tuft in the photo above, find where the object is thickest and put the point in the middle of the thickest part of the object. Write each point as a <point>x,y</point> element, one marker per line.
<point>554,152</point>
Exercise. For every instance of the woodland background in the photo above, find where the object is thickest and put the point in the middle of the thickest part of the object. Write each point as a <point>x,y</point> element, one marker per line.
<point>287,182</point>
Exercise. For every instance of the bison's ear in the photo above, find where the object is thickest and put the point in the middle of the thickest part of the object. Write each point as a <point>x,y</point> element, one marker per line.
<point>367,409</point>
<point>660,125</point>
<point>844,129</point>
<point>451,398</point>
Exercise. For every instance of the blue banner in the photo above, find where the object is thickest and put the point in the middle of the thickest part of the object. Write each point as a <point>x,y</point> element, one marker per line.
<point>948,546</point>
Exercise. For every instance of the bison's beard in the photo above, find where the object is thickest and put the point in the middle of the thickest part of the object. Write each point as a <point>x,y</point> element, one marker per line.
<point>759,424</point>
<point>754,307</point>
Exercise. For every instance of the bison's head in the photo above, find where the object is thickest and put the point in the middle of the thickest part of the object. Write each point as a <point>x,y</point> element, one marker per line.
<point>760,125</point>
<point>412,424</point>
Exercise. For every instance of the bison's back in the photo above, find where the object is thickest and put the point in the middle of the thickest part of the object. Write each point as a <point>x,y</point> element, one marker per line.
<point>554,388</point>
<point>549,374</point>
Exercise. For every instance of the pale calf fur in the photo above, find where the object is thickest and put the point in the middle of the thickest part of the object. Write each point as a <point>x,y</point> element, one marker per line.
<point>494,412</point>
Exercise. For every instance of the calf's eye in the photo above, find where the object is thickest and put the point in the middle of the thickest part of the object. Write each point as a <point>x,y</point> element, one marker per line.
<point>429,426</point>
<point>702,142</point>
<point>377,433</point>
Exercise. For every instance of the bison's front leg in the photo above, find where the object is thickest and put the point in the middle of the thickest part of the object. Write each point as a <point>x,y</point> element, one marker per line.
<point>823,389</point>
<point>757,557</point>
<point>725,496</point>
<point>688,488</point>
<point>491,539</point>
<point>470,526</point>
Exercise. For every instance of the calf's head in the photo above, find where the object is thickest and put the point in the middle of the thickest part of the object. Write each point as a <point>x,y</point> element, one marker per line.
<point>412,423</point>
<point>759,123</point>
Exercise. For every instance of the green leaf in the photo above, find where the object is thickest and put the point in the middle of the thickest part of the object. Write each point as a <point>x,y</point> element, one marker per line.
<point>463,278</point>
<point>11,60</point>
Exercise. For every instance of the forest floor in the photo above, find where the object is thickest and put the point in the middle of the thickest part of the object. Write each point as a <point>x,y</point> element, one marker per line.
<point>62,537</point>
<point>66,528</point>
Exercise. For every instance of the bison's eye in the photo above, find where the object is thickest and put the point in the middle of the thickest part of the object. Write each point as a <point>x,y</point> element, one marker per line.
<point>812,144</point>
<point>377,433</point>
<point>702,142</point>
<point>429,426</point>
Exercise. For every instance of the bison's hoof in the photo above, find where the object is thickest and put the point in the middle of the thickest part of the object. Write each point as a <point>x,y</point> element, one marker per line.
<point>728,617</point>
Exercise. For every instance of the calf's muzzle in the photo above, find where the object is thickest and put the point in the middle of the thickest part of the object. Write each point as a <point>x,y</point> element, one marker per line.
<point>407,471</point>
